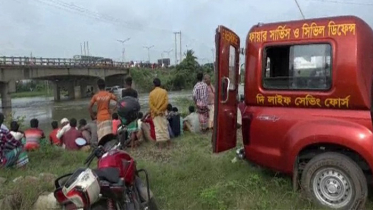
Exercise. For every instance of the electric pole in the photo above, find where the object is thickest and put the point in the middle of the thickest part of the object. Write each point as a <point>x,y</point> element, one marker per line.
<point>149,47</point>
<point>87,49</point>
<point>181,55</point>
<point>175,48</point>
<point>123,41</point>
<point>176,33</point>
<point>168,54</point>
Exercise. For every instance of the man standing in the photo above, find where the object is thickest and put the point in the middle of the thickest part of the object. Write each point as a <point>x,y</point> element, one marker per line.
<point>158,101</point>
<point>102,98</point>
<point>201,97</point>
<point>128,90</point>
<point>210,105</point>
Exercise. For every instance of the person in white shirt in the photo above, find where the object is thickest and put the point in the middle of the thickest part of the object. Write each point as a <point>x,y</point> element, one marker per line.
<point>65,126</point>
<point>14,126</point>
<point>191,122</point>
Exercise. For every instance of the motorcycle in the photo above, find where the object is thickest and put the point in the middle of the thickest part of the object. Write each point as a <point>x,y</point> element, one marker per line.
<point>114,185</point>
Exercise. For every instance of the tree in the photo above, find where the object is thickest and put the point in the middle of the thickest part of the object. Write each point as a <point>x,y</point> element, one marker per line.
<point>189,63</point>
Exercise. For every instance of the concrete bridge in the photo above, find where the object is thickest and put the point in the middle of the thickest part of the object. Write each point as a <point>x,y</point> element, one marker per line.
<point>69,74</point>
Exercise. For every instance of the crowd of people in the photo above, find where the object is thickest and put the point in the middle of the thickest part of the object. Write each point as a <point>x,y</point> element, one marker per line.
<point>160,124</point>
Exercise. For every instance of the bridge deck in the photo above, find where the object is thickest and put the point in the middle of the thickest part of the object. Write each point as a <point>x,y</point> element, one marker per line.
<point>60,63</point>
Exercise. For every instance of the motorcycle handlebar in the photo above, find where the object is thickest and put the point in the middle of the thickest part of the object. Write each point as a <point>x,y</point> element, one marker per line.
<point>97,152</point>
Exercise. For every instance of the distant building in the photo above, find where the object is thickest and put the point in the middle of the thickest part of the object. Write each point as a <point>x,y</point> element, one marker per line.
<point>165,62</point>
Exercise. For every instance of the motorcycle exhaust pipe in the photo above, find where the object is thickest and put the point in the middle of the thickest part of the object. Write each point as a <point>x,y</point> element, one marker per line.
<point>240,153</point>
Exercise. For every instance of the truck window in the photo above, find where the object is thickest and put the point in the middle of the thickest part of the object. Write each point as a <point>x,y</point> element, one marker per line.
<point>297,67</point>
<point>232,68</point>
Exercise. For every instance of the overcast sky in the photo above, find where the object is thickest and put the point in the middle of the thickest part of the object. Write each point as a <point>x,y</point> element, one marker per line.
<point>56,28</point>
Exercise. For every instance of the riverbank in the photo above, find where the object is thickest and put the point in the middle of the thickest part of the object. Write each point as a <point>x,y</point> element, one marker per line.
<point>188,176</point>
<point>32,94</point>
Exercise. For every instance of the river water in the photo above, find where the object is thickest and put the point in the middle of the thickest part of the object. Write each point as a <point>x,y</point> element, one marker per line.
<point>46,110</point>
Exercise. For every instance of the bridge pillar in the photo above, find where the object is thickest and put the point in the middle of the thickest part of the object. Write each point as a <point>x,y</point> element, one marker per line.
<point>56,91</point>
<point>71,91</point>
<point>6,99</point>
<point>83,90</point>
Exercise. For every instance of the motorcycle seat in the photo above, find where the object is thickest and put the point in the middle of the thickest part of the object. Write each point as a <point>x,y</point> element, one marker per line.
<point>109,174</point>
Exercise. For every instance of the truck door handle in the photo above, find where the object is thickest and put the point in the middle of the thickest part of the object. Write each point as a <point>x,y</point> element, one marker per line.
<point>228,84</point>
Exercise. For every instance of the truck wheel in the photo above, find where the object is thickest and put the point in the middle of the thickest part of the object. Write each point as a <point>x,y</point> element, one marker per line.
<point>334,180</point>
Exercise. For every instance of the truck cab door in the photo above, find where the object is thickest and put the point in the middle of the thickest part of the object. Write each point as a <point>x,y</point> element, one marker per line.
<point>226,88</point>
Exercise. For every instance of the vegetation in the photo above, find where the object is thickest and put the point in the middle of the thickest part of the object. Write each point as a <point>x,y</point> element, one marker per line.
<point>188,176</point>
<point>32,94</point>
<point>183,76</point>
<point>10,117</point>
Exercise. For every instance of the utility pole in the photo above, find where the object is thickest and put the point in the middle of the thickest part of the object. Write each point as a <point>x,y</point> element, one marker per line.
<point>175,48</point>
<point>168,54</point>
<point>149,47</point>
<point>84,49</point>
<point>87,49</point>
<point>123,41</point>
<point>181,55</point>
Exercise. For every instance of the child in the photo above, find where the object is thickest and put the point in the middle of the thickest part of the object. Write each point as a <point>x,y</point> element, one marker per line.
<point>139,119</point>
<point>85,131</point>
<point>116,123</point>
<point>174,121</point>
<point>169,111</point>
<point>14,126</point>
<point>53,135</point>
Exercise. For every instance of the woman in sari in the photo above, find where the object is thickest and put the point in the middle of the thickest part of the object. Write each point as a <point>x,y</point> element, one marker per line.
<point>12,153</point>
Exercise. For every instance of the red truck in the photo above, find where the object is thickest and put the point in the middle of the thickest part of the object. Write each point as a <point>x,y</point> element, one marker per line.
<point>307,106</point>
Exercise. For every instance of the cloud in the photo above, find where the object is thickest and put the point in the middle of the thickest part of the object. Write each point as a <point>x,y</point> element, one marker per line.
<point>56,28</point>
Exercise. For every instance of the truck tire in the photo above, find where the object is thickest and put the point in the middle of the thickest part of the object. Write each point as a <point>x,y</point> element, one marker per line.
<point>334,180</point>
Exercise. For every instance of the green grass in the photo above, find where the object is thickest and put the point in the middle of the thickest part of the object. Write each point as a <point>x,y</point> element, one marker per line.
<point>31,94</point>
<point>188,176</point>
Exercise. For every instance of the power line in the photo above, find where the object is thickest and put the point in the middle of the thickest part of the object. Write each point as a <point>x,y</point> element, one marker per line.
<point>343,2</point>
<point>300,10</point>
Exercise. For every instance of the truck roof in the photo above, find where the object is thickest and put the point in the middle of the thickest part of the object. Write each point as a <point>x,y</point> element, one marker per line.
<point>351,39</point>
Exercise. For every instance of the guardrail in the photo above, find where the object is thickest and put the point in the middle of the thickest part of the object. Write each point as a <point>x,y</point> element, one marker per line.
<point>59,62</point>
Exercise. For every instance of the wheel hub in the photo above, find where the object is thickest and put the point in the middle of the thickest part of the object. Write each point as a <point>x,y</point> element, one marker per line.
<point>332,187</point>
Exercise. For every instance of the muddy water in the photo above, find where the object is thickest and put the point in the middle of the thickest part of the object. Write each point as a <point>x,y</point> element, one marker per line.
<point>46,110</point>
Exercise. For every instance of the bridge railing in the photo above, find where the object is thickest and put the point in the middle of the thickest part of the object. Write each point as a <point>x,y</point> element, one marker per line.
<point>60,62</point>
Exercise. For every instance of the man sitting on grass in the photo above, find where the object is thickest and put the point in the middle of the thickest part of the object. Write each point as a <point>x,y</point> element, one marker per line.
<point>69,138</point>
<point>34,136</point>
<point>11,150</point>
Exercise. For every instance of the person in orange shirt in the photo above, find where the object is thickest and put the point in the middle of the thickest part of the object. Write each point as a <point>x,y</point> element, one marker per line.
<point>53,135</point>
<point>102,100</point>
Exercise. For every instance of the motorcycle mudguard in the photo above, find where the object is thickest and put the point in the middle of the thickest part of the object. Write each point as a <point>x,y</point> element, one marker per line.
<point>141,187</point>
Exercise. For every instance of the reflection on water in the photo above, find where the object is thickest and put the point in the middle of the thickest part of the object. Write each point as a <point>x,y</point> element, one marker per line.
<point>46,110</point>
